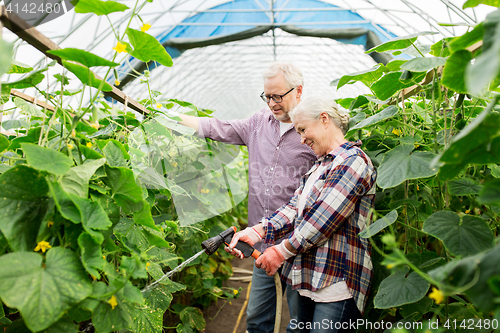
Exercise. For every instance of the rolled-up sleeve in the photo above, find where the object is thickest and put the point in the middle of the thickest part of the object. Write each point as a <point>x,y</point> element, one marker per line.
<point>343,187</point>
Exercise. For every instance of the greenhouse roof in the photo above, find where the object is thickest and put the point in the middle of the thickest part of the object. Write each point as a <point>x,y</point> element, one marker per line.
<point>220,48</point>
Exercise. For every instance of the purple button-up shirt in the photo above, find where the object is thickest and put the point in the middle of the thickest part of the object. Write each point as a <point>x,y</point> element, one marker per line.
<point>276,162</point>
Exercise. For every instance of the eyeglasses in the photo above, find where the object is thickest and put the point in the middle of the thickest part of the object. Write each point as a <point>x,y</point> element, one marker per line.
<point>276,98</point>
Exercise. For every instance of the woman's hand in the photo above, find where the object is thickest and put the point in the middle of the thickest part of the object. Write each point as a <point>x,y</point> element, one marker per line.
<point>272,259</point>
<point>249,236</point>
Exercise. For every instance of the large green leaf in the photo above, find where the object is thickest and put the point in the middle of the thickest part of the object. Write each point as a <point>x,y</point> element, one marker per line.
<point>400,164</point>
<point>485,69</point>
<point>76,180</point>
<point>5,56</point>
<point>158,297</point>
<point>379,224</point>
<point>147,48</point>
<point>15,123</point>
<point>147,320</point>
<point>64,325</point>
<point>475,3</point>
<point>19,68</point>
<point>126,192</point>
<point>32,136</point>
<point>399,289</point>
<point>64,204</point>
<point>42,291</point>
<point>23,203</point>
<point>144,217</point>
<point>86,76</point>
<point>454,71</point>
<point>46,159</point>
<point>490,193</point>
<point>93,217</point>
<point>367,76</point>
<point>83,57</point>
<point>92,258</point>
<point>386,113</point>
<point>390,83</point>
<point>399,43</point>
<point>462,236</point>
<point>28,108</point>
<point>479,131</point>
<point>29,81</point>
<point>423,64</point>
<point>98,7</point>
<point>4,143</point>
<point>467,39</point>
<point>114,155</point>
<point>108,319</point>
<point>192,318</point>
<point>464,186</point>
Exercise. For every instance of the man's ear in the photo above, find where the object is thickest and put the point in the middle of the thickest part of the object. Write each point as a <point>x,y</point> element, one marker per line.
<point>299,91</point>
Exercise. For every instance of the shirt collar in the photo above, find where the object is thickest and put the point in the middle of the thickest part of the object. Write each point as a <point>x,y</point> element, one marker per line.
<point>345,146</point>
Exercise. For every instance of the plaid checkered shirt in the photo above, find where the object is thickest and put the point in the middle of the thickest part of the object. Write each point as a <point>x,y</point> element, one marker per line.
<point>326,234</point>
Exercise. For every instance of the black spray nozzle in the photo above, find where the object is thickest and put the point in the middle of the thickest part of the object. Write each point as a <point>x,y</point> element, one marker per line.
<point>212,244</point>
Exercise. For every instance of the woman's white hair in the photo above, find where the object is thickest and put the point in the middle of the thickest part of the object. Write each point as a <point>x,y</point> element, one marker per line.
<point>313,106</point>
<point>293,75</point>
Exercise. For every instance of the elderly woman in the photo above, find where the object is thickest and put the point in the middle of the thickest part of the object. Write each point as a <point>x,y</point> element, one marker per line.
<point>327,266</point>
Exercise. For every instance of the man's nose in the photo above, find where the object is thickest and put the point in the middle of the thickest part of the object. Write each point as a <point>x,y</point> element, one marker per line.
<point>272,103</point>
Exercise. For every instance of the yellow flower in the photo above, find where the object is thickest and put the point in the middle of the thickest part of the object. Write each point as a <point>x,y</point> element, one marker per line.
<point>120,47</point>
<point>418,188</point>
<point>104,257</point>
<point>147,265</point>
<point>42,246</point>
<point>89,144</point>
<point>117,82</point>
<point>159,105</point>
<point>70,146</point>
<point>235,292</point>
<point>416,145</point>
<point>50,224</point>
<point>390,266</point>
<point>95,125</point>
<point>437,295</point>
<point>73,133</point>
<point>240,164</point>
<point>230,303</point>
<point>93,277</point>
<point>112,301</point>
<point>145,27</point>
<point>174,165</point>
<point>396,132</point>
<point>467,211</point>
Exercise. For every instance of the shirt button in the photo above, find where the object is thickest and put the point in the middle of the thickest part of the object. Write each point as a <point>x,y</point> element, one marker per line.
<point>272,169</point>
<point>277,148</point>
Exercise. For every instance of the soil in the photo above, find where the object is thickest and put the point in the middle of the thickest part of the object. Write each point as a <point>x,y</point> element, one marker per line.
<point>223,316</point>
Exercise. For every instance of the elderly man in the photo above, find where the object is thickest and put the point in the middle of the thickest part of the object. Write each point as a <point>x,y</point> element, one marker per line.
<point>277,160</point>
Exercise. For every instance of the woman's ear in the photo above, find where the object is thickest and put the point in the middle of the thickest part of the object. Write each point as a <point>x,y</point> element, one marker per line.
<point>323,117</point>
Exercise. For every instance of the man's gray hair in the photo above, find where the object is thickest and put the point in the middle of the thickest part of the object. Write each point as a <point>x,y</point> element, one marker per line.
<point>293,75</point>
<point>313,106</point>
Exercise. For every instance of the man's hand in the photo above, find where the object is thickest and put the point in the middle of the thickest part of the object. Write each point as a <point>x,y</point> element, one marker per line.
<point>248,235</point>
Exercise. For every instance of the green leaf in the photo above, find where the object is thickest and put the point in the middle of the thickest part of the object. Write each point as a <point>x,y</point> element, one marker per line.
<point>399,289</point>
<point>15,123</point>
<point>400,164</point>
<point>475,3</point>
<point>92,258</point>
<point>46,159</point>
<point>144,217</point>
<point>29,81</point>
<point>5,56</point>
<point>28,108</point>
<point>454,71</point>
<point>418,309</point>
<point>98,7</point>
<point>379,224</point>
<point>32,136</point>
<point>4,143</point>
<point>464,186</point>
<point>131,293</point>
<point>441,48</point>
<point>490,193</point>
<point>399,43</point>
<point>147,320</point>
<point>19,68</point>
<point>386,113</point>
<point>390,83</point>
<point>147,48</point>
<point>479,131</point>
<point>158,297</point>
<point>83,57</point>
<point>423,64</point>
<point>495,170</point>
<point>114,155</point>
<point>76,180</point>
<point>155,239</point>
<point>85,75</point>
<point>126,192</point>
<point>63,79</point>
<point>64,325</point>
<point>106,319</point>
<point>42,291</point>
<point>479,293</point>
<point>193,318</point>
<point>467,39</point>
<point>64,204</point>
<point>461,236</point>
<point>23,203</point>
<point>367,77</point>
<point>93,216</point>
